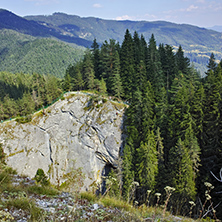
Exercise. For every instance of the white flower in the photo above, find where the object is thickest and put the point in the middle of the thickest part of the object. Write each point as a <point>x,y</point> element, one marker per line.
<point>169,189</point>
<point>207,184</point>
<point>192,203</point>
<point>158,194</point>
<point>148,192</point>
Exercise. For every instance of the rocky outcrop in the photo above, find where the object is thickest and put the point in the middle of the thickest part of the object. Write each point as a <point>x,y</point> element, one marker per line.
<point>74,132</point>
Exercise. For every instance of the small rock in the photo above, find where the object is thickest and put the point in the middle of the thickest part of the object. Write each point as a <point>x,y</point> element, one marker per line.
<point>95,206</point>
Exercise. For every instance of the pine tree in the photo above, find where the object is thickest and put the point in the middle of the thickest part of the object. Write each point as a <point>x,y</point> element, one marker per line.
<point>128,169</point>
<point>154,69</point>
<point>96,59</point>
<point>168,63</point>
<point>181,177</point>
<point>88,70</point>
<point>111,68</point>
<point>127,65</point>
<point>183,63</point>
<point>147,165</point>
<point>211,64</point>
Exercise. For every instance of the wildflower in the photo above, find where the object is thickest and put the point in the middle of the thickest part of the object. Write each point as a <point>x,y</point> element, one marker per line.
<point>158,194</point>
<point>169,189</point>
<point>148,192</point>
<point>192,203</point>
<point>135,183</point>
<point>208,197</point>
<point>207,184</point>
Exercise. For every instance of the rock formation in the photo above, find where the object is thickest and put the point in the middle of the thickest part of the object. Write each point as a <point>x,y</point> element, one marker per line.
<point>74,132</point>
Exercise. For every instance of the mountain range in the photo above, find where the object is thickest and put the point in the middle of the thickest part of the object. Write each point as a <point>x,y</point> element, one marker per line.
<point>74,31</point>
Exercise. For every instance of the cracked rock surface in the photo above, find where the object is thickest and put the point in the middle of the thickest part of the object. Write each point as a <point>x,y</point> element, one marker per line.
<point>74,132</point>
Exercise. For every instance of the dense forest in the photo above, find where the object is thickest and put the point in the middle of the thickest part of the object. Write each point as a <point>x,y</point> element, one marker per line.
<point>172,125</point>
<point>24,53</point>
<point>22,94</point>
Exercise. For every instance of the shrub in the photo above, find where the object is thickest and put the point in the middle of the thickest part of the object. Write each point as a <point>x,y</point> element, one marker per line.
<point>41,178</point>
<point>24,119</point>
<point>2,155</point>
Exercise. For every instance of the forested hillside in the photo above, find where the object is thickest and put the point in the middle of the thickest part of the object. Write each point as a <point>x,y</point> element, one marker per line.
<point>22,94</point>
<point>172,125</point>
<point>197,43</point>
<point>27,54</point>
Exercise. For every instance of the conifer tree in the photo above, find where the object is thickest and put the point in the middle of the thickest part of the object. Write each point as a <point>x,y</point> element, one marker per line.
<point>127,65</point>
<point>96,59</point>
<point>182,62</point>
<point>167,59</point>
<point>147,165</point>
<point>181,177</point>
<point>128,169</point>
<point>154,69</point>
<point>111,68</point>
<point>211,64</point>
<point>137,50</point>
<point>88,70</point>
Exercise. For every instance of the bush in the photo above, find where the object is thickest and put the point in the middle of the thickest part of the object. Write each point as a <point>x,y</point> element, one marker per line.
<point>24,119</point>
<point>41,178</point>
<point>2,155</point>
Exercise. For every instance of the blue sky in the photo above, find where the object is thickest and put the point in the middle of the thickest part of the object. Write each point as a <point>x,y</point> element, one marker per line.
<point>203,13</point>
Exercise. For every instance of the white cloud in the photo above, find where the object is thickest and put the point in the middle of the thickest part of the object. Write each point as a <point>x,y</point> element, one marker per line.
<point>97,5</point>
<point>125,17</point>
<point>137,17</point>
<point>191,8</point>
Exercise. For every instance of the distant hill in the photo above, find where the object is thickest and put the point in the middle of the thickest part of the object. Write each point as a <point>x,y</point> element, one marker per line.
<point>217,28</point>
<point>198,43</point>
<point>8,20</point>
<point>28,54</point>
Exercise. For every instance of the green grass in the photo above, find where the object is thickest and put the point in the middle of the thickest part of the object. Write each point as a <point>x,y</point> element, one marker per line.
<point>25,204</point>
<point>42,190</point>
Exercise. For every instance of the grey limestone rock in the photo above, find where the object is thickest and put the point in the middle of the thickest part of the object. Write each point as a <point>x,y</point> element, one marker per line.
<point>73,132</point>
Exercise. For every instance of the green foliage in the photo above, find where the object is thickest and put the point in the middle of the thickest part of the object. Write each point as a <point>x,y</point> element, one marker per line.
<point>27,54</point>
<point>41,178</point>
<point>22,94</point>
<point>42,190</point>
<point>173,119</point>
<point>2,155</point>
<point>91,197</point>
<point>25,204</point>
<point>73,180</point>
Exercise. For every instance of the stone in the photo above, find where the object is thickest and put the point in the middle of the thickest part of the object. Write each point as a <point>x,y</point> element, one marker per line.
<point>73,133</point>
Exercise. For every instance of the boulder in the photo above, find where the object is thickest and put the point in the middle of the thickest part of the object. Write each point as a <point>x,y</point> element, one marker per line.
<point>75,132</point>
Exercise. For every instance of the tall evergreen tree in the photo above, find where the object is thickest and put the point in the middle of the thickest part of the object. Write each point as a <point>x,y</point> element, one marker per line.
<point>154,69</point>
<point>183,63</point>
<point>147,165</point>
<point>127,65</point>
<point>181,177</point>
<point>96,59</point>
<point>211,64</point>
<point>88,70</point>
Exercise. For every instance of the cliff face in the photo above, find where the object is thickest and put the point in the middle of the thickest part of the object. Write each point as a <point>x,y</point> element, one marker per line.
<point>72,133</point>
